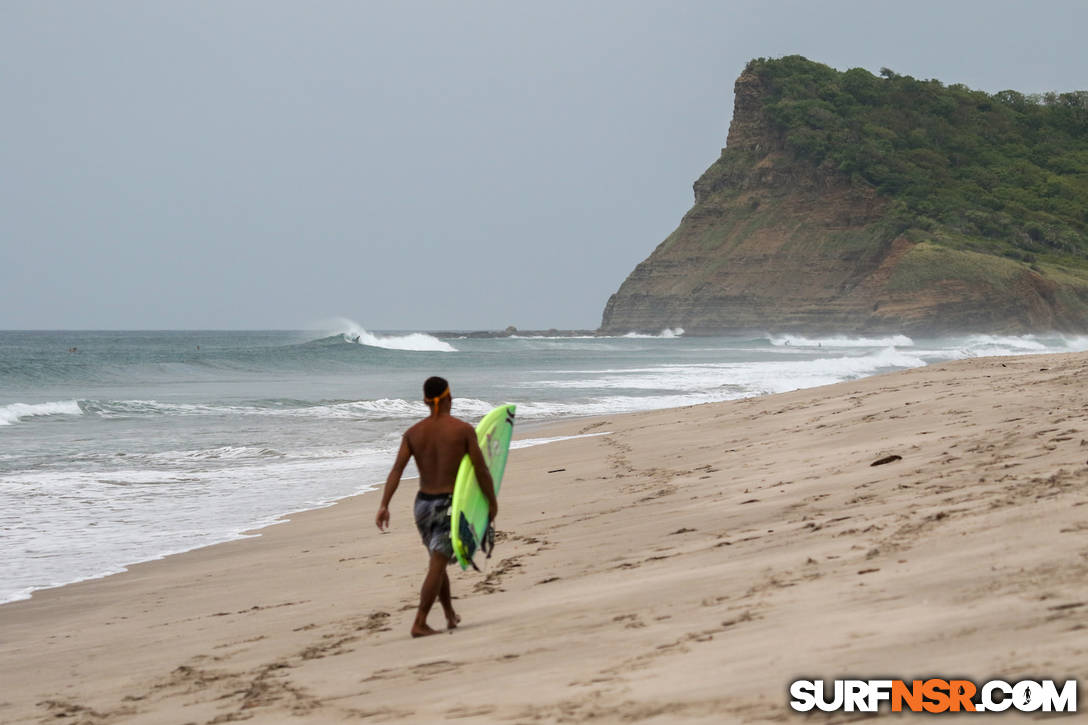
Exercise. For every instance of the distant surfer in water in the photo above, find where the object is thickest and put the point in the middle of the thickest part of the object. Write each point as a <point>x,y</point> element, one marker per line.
<point>438,443</point>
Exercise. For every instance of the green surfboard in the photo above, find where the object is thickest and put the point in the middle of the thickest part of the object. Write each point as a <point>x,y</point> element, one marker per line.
<point>469,512</point>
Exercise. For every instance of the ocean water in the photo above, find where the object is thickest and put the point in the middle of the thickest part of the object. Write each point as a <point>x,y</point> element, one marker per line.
<point>137,445</point>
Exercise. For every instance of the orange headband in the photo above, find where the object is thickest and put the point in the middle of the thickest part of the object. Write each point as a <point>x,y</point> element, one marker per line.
<point>434,401</point>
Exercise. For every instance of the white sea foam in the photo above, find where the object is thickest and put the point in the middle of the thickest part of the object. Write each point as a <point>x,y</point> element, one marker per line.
<point>755,377</point>
<point>221,456</point>
<point>840,341</point>
<point>1077,343</point>
<point>168,502</point>
<point>1005,344</point>
<point>674,386</point>
<point>569,344</point>
<point>998,345</point>
<point>530,442</point>
<point>133,408</point>
<point>381,409</point>
<point>15,412</point>
<point>220,453</point>
<point>550,337</point>
<point>354,332</point>
<point>144,513</point>
<point>613,405</point>
<point>386,408</point>
<point>667,333</point>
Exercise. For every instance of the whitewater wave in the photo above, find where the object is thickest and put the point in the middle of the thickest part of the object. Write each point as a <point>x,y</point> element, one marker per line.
<point>980,345</point>
<point>999,345</point>
<point>751,377</point>
<point>548,337</point>
<point>681,386</point>
<point>1005,344</point>
<point>667,334</point>
<point>840,341</point>
<point>417,341</point>
<point>136,408</point>
<point>167,510</point>
<point>387,408</point>
<point>15,412</point>
<point>226,454</point>
<point>381,409</point>
<point>223,453</point>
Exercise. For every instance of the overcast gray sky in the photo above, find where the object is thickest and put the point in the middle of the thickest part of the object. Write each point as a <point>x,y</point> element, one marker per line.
<point>409,165</point>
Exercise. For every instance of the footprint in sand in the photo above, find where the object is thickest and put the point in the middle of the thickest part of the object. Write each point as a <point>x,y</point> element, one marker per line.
<point>631,621</point>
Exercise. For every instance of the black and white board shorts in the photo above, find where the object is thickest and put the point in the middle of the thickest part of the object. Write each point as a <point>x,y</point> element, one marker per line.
<point>432,513</point>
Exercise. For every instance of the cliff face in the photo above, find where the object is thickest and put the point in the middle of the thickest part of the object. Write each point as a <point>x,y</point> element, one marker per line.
<point>778,242</point>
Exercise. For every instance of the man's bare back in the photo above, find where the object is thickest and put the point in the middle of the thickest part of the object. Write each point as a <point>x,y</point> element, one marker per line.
<point>438,443</point>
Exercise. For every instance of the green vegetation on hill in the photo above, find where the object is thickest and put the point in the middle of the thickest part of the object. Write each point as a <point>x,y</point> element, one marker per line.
<point>1002,174</point>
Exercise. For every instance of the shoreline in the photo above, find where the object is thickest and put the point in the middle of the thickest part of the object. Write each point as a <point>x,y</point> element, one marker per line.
<point>285,517</point>
<point>276,520</point>
<point>685,567</point>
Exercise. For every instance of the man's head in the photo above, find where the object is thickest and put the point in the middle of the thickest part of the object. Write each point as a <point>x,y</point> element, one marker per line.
<point>435,389</point>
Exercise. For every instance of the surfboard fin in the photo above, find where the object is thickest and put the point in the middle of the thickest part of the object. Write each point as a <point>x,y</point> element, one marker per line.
<point>487,543</point>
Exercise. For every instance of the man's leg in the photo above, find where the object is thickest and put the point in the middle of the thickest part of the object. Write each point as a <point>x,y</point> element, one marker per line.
<point>452,620</point>
<point>432,584</point>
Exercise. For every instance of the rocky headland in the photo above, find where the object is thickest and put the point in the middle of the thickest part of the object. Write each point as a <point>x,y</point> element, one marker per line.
<point>853,203</point>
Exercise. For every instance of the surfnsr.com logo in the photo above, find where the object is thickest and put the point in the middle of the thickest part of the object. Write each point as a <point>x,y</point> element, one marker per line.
<point>933,695</point>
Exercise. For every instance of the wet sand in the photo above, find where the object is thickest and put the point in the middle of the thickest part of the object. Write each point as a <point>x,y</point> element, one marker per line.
<point>685,567</point>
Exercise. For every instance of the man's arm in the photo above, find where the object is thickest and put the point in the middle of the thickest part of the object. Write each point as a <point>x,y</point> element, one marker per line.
<point>391,483</point>
<point>483,476</point>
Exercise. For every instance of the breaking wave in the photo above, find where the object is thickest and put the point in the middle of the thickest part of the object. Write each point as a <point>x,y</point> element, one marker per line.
<point>666,334</point>
<point>15,412</point>
<point>417,341</point>
<point>1000,345</point>
<point>840,341</point>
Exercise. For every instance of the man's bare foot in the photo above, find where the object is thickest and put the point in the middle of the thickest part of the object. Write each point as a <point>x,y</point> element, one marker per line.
<point>423,631</point>
<point>452,621</point>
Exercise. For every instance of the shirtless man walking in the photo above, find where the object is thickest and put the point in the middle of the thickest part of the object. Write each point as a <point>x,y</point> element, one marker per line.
<point>438,443</point>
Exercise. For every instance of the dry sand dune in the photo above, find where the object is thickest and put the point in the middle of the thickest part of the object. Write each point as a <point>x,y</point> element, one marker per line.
<point>684,567</point>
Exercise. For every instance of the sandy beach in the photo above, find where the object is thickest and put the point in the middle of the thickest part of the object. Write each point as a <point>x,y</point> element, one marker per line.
<point>684,565</point>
